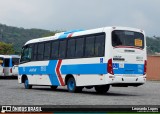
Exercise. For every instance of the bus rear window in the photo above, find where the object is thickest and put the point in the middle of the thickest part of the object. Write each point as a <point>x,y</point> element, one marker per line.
<point>6,62</point>
<point>127,39</point>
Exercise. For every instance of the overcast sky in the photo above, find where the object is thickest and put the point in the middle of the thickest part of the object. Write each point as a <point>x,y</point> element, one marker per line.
<point>81,14</point>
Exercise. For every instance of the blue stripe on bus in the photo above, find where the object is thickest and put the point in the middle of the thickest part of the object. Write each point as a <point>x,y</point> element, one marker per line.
<point>42,70</point>
<point>101,69</point>
<point>65,34</point>
<point>128,69</point>
<point>65,69</point>
<point>97,68</point>
<point>81,69</point>
<point>84,69</point>
<point>51,69</point>
<point>10,62</point>
<point>72,31</point>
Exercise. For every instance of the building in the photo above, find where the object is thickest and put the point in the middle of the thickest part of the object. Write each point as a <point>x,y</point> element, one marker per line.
<point>153,67</point>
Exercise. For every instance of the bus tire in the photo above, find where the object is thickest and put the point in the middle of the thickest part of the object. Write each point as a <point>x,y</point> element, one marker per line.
<point>54,87</point>
<point>71,86</point>
<point>102,88</point>
<point>26,84</point>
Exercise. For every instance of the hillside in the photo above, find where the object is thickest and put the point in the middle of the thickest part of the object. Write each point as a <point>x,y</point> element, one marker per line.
<point>18,36</point>
<point>153,45</point>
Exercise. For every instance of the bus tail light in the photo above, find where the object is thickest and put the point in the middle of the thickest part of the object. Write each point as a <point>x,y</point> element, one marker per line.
<point>145,67</point>
<point>110,67</point>
<point>3,70</point>
<point>11,70</point>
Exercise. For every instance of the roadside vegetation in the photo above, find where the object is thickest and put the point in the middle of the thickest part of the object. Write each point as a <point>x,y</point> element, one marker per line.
<point>13,38</point>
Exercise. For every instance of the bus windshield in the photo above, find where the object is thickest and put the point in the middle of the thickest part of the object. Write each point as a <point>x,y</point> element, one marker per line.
<point>123,38</point>
<point>15,61</point>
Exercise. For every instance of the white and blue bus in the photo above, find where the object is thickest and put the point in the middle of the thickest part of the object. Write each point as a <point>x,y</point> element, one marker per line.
<point>9,65</point>
<point>85,58</point>
<point>1,65</point>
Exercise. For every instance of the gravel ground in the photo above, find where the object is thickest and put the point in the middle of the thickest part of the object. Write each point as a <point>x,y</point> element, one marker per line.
<point>12,93</point>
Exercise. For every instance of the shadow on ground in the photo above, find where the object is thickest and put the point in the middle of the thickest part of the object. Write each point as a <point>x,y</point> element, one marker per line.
<point>8,77</point>
<point>60,90</point>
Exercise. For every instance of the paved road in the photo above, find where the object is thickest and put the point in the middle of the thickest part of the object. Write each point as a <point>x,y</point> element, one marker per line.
<point>12,93</point>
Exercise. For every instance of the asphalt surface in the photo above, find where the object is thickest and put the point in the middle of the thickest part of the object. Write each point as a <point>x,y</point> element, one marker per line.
<point>12,93</point>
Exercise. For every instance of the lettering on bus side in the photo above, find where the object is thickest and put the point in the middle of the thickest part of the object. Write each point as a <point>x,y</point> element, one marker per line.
<point>43,68</point>
<point>23,69</point>
<point>32,70</point>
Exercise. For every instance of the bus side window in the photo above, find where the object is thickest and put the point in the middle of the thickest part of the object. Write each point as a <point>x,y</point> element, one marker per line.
<point>116,39</point>
<point>13,63</point>
<point>89,46</point>
<point>47,51</point>
<point>34,57</point>
<point>79,47</point>
<point>40,51</point>
<point>71,48</point>
<point>62,49</point>
<point>54,49</point>
<point>26,54</point>
<point>99,45</point>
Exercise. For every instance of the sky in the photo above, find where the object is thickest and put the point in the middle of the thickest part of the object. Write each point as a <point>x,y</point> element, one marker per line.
<point>82,14</point>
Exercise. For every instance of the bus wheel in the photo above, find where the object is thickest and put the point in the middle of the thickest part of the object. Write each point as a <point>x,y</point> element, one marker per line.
<point>71,85</point>
<point>102,88</point>
<point>26,84</point>
<point>54,87</point>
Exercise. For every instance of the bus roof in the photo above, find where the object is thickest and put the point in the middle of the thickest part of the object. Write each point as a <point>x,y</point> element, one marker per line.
<point>79,32</point>
<point>10,56</point>
<point>1,55</point>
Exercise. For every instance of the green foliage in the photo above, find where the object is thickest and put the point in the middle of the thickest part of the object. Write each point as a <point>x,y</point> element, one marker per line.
<point>50,34</point>
<point>19,36</point>
<point>6,49</point>
<point>153,45</point>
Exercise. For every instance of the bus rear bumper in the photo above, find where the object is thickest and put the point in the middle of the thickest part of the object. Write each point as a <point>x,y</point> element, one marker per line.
<point>19,79</point>
<point>126,84</point>
<point>124,81</point>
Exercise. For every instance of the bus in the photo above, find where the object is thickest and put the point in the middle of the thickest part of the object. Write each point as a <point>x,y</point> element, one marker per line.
<point>9,65</point>
<point>1,65</point>
<point>96,58</point>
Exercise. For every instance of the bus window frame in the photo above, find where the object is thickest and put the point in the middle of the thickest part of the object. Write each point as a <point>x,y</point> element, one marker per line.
<point>66,49</point>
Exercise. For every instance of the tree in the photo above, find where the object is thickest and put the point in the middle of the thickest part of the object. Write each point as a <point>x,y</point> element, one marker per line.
<point>6,49</point>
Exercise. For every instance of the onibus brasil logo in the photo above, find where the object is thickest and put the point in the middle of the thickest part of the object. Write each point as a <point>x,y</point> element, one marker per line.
<point>20,109</point>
